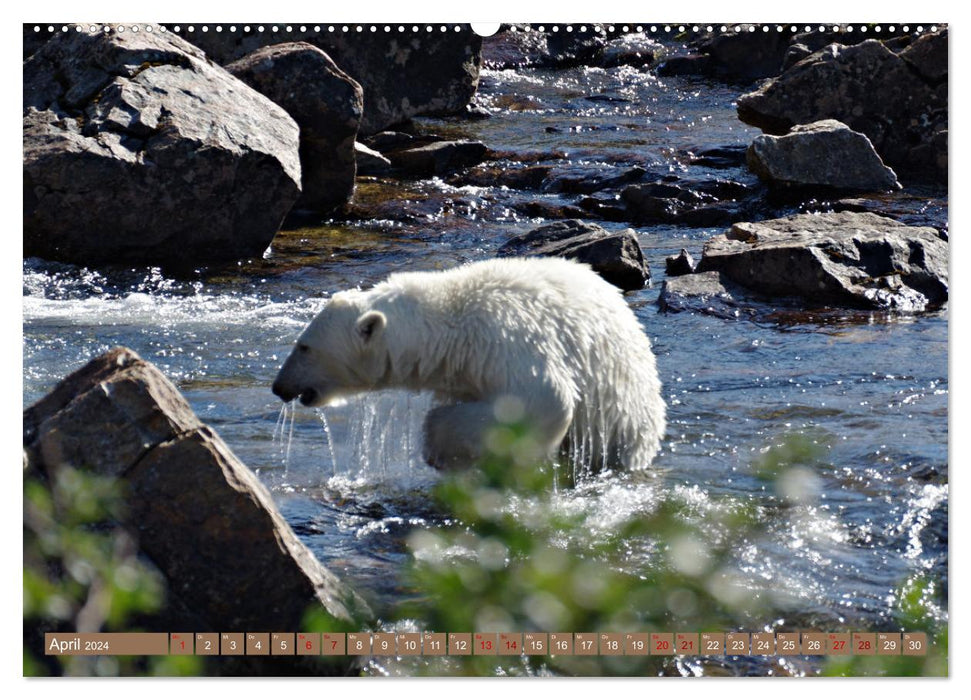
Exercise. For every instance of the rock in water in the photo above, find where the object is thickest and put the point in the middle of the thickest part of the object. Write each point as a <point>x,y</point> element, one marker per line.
<point>137,149</point>
<point>857,260</point>
<point>327,106</point>
<point>369,161</point>
<point>617,257</point>
<point>703,292</point>
<point>898,100</point>
<point>680,264</point>
<point>230,560</point>
<point>826,153</point>
<point>404,75</point>
<point>700,204</point>
<point>438,158</point>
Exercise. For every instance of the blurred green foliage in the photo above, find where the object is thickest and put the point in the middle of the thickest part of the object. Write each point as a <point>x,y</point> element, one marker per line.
<point>914,601</point>
<point>509,559</point>
<point>82,573</point>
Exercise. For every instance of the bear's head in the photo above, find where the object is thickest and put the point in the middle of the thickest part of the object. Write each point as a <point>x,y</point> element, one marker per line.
<point>341,352</point>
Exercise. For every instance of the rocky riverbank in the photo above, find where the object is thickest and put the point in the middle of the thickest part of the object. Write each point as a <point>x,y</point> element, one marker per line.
<point>213,178</point>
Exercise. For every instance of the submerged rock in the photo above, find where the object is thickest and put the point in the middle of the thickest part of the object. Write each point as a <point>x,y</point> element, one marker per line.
<point>709,293</point>
<point>230,560</point>
<point>504,174</point>
<point>617,257</point>
<point>857,260</point>
<point>898,100</point>
<point>327,106</point>
<point>720,157</point>
<point>138,149</point>
<point>826,153</point>
<point>579,179</point>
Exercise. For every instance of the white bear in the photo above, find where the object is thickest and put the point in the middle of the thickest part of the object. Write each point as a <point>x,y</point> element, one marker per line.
<point>545,336</point>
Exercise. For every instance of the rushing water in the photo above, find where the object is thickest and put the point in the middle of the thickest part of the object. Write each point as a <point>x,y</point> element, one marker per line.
<point>350,480</point>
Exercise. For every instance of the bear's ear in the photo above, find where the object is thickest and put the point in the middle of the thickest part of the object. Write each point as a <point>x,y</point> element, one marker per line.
<point>370,325</point>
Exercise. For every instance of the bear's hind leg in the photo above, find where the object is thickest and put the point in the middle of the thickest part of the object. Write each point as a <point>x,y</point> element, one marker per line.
<point>455,434</point>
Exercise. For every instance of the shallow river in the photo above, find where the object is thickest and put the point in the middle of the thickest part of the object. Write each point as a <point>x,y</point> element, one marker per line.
<point>350,480</point>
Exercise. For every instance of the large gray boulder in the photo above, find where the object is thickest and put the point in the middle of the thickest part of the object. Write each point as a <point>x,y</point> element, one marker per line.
<point>899,101</point>
<point>138,149</point>
<point>826,153</point>
<point>857,260</point>
<point>327,105</point>
<point>617,257</point>
<point>229,559</point>
<point>403,74</point>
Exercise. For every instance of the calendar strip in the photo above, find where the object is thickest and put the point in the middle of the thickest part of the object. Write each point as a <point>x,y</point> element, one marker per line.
<point>809,643</point>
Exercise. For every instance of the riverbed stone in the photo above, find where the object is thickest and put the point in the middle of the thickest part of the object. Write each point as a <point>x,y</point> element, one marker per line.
<point>327,105</point>
<point>856,260</point>
<point>826,154</point>
<point>680,264</point>
<point>139,150</point>
<point>229,559</point>
<point>697,204</point>
<point>901,108</point>
<point>403,75</point>
<point>709,293</point>
<point>438,158</point>
<point>617,257</point>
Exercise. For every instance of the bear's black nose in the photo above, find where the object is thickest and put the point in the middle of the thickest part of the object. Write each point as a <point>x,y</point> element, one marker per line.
<point>283,392</point>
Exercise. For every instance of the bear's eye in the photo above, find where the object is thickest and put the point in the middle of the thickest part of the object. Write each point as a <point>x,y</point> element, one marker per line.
<point>303,348</point>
